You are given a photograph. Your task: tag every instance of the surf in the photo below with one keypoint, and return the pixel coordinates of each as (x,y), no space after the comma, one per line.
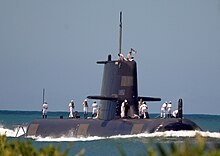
(165,134)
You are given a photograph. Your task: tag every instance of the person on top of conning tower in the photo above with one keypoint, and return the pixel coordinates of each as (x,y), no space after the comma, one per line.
(121,57)
(44,109)
(129,56)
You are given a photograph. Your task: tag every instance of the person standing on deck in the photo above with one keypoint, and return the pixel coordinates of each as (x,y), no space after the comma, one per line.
(85,108)
(139,105)
(94,109)
(144,111)
(175,114)
(71,108)
(163,110)
(123,105)
(44,109)
(169,109)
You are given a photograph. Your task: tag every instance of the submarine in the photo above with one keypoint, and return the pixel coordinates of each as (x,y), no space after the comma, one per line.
(119,82)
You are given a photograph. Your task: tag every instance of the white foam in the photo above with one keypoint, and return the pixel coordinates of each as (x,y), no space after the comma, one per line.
(12,132)
(175,134)
(68,139)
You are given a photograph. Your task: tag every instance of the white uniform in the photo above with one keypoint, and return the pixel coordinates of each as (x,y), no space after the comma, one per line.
(123,110)
(129,57)
(85,108)
(94,108)
(163,110)
(44,110)
(71,108)
(169,109)
(139,106)
(121,57)
(144,110)
(175,113)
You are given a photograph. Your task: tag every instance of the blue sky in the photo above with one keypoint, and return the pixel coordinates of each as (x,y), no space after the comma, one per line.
(55,44)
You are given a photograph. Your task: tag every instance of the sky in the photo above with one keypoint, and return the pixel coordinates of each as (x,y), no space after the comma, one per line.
(55,44)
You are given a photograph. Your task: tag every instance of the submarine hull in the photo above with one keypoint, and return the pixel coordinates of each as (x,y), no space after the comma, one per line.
(94,127)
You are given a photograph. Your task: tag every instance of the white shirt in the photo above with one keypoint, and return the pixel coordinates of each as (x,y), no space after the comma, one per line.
(144,108)
(175,113)
(45,107)
(163,106)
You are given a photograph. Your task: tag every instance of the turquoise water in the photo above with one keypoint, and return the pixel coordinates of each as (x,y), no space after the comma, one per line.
(131,144)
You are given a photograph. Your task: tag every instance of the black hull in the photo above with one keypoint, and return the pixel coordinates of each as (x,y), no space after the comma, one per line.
(95,127)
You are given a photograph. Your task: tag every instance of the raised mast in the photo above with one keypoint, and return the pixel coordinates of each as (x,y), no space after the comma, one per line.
(120,32)
(43,95)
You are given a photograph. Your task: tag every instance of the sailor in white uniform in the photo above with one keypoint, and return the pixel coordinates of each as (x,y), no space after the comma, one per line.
(94,109)
(163,110)
(123,105)
(169,109)
(175,113)
(144,110)
(85,108)
(121,57)
(44,109)
(71,108)
(139,105)
(129,56)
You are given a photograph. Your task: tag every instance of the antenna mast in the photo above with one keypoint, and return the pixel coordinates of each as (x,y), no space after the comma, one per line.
(120,32)
(43,94)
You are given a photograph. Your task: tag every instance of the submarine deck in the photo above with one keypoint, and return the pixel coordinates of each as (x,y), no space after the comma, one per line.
(96,127)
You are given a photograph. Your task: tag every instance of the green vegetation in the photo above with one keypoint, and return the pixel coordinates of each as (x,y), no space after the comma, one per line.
(200,148)
(26,148)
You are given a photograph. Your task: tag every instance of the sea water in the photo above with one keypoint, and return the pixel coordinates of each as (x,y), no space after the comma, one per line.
(131,144)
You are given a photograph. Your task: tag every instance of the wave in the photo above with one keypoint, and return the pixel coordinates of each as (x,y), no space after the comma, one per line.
(166,134)
(16,132)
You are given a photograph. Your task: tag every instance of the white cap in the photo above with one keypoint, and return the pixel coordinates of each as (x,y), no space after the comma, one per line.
(125,100)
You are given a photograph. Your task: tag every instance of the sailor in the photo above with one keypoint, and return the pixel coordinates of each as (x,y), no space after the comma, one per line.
(144,110)
(98,111)
(121,57)
(44,109)
(163,110)
(169,109)
(130,57)
(71,108)
(94,109)
(85,108)
(139,105)
(123,106)
(175,114)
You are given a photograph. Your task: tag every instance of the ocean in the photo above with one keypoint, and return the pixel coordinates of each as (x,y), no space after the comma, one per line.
(131,144)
